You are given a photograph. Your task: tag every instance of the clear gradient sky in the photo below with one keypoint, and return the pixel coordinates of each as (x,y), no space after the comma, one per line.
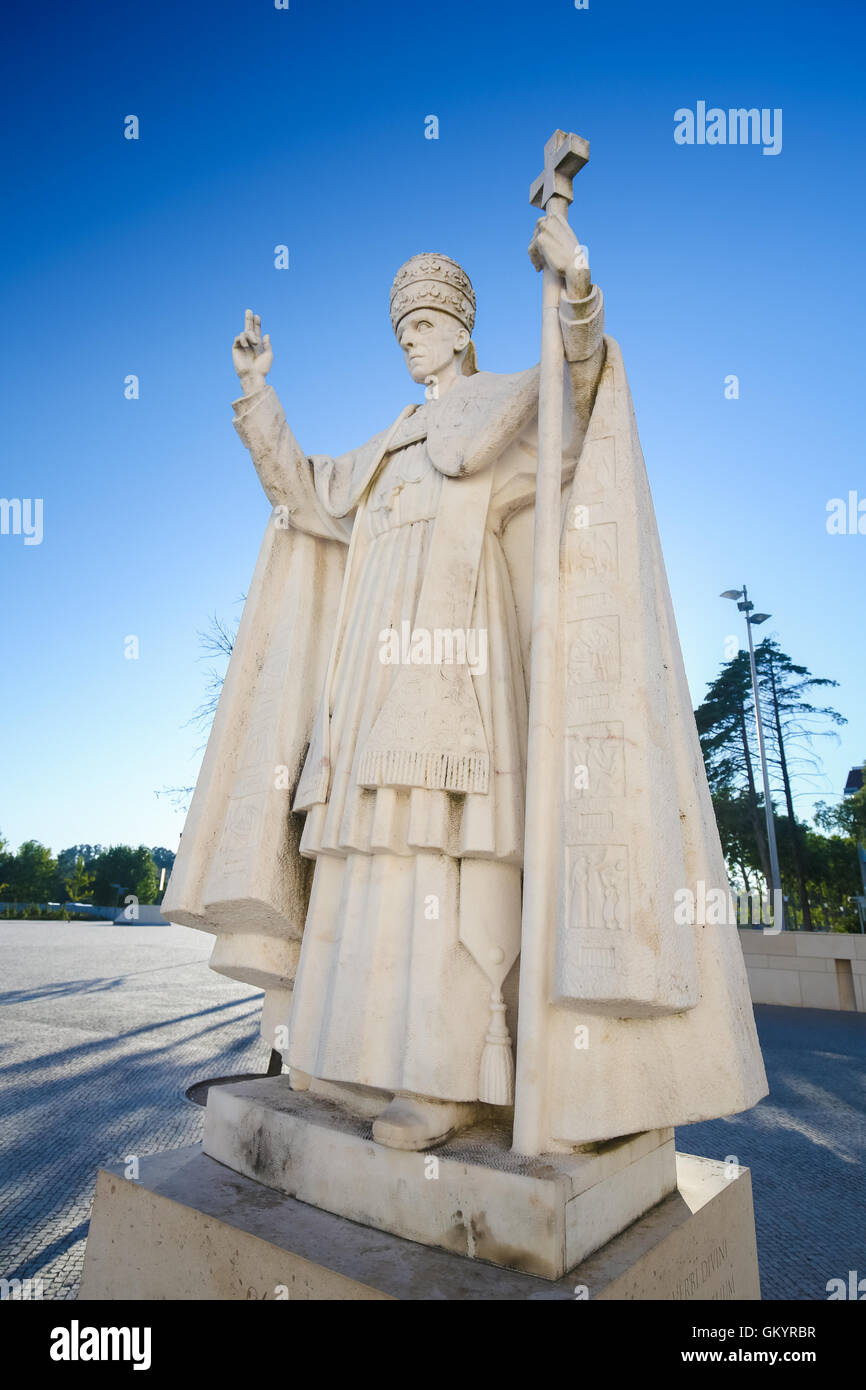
(306,127)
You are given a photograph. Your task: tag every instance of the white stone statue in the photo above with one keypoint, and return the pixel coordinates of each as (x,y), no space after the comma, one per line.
(356,839)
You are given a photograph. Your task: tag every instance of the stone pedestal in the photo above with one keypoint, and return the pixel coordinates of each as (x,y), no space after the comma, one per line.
(191,1228)
(471,1196)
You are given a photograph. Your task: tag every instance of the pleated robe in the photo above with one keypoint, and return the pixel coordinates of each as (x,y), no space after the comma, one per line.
(387,993)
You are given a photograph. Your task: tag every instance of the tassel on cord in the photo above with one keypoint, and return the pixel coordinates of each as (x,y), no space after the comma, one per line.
(496,1080)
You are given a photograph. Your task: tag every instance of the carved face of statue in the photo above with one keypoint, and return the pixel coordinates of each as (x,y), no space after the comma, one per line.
(431,342)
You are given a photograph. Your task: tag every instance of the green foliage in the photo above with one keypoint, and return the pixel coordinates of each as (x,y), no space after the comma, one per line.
(79,882)
(833,879)
(725,723)
(848,818)
(29,875)
(726,728)
(82,873)
(132,870)
(5,859)
(68,858)
(33,913)
(163,858)
(737,834)
(820,873)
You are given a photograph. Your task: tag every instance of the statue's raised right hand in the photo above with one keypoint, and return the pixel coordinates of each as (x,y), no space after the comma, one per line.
(252,354)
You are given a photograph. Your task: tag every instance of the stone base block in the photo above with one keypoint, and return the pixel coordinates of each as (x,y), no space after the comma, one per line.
(472,1196)
(190,1228)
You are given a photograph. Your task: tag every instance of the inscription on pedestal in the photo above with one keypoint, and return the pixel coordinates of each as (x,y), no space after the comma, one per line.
(709,1278)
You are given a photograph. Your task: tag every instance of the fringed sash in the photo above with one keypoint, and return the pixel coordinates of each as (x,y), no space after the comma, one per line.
(428,732)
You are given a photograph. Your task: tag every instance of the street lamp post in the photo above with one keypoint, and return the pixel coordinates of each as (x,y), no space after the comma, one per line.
(755,619)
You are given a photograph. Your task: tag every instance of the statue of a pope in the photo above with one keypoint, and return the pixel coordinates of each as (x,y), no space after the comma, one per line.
(381,682)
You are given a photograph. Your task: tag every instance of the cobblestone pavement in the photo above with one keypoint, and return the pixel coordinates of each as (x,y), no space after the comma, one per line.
(805,1144)
(103,1028)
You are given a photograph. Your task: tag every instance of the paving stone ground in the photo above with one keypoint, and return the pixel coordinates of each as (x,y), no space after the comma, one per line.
(103,1029)
(805,1144)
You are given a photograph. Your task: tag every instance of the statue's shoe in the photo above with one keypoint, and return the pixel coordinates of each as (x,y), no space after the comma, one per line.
(358,1100)
(411,1123)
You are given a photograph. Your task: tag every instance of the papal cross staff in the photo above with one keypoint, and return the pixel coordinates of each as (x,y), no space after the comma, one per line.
(564,156)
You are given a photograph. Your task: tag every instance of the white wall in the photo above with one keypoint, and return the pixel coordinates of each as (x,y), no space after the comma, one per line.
(808,970)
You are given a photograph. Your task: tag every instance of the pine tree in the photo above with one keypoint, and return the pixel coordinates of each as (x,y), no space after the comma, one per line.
(793,724)
(727,731)
(726,723)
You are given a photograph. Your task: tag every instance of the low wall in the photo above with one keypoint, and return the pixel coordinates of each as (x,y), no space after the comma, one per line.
(147,914)
(808,970)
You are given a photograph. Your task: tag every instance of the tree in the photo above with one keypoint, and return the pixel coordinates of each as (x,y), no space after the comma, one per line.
(793,725)
(133,870)
(849,817)
(736,832)
(833,879)
(66,859)
(728,735)
(31,874)
(726,724)
(164,861)
(79,882)
(5,860)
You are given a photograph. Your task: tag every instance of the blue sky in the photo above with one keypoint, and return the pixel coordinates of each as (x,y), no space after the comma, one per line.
(305,127)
